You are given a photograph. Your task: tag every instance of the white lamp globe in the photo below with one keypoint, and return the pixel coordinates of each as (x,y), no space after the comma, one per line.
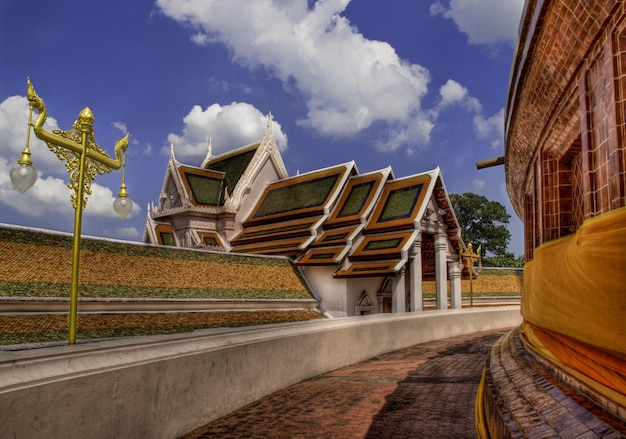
(123,206)
(23,176)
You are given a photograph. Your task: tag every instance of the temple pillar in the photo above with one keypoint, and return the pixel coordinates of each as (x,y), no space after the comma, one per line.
(441,270)
(454,271)
(398,292)
(415,275)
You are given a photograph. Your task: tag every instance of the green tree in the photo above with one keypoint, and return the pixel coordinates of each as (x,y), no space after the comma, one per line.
(507,261)
(483,223)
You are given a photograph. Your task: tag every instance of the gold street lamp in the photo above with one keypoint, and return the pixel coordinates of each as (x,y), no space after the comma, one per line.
(83,160)
(470,257)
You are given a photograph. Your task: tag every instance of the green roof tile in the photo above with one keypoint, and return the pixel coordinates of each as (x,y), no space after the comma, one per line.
(298,196)
(356,199)
(233,166)
(206,190)
(400,203)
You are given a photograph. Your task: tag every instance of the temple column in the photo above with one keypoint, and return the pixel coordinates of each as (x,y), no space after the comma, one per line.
(415,275)
(454,270)
(441,270)
(398,292)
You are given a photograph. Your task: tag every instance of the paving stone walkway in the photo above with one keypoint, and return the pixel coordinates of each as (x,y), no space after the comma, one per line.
(424,391)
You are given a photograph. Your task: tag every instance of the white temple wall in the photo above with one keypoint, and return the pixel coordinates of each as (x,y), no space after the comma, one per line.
(355,288)
(331,291)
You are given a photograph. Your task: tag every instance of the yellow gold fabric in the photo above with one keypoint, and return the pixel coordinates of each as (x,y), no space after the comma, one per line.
(574,303)
(530,335)
(576,285)
(482,428)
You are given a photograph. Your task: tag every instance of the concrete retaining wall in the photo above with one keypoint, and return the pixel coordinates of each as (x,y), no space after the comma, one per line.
(165,386)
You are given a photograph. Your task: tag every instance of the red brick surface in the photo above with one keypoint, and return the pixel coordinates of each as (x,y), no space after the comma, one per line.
(565,122)
(528,397)
(424,391)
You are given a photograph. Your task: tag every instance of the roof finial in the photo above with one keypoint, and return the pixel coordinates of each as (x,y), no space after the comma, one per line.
(269,120)
(209,154)
(172,150)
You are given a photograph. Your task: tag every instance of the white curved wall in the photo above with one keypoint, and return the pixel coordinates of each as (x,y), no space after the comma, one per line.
(166,386)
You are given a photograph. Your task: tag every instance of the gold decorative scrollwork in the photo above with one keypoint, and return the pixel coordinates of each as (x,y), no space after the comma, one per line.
(72,162)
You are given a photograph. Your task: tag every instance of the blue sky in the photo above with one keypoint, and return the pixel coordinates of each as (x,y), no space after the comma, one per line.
(411,84)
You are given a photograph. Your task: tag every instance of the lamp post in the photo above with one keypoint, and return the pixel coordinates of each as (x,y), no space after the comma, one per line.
(470,257)
(83,160)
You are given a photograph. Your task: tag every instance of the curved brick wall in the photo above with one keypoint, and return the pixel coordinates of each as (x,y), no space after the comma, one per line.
(566,99)
(566,177)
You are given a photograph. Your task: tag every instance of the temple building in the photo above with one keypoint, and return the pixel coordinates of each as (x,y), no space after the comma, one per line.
(364,242)
(563,372)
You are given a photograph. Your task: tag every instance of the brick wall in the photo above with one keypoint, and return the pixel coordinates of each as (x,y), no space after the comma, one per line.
(565,124)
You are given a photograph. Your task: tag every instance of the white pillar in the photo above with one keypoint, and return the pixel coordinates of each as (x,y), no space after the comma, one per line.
(455,270)
(441,270)
(398,292)
(415,289)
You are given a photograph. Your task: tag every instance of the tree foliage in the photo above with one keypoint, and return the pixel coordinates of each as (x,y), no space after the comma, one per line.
(483,223)
(506,261)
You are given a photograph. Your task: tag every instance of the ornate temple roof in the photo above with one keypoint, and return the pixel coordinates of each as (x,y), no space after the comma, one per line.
(347,219)
(393,226)
(198,205)
(364,224)
(290,211)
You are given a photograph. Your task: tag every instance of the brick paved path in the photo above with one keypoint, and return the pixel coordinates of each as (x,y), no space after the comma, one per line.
(424,391)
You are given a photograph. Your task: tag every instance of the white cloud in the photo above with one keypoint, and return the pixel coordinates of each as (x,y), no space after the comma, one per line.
(348,81)
(200,39)
(13,128)
(50,194)
(491,127)
(454,93)
(496,144)
(228,127)
(126,233)
(219,83)
(121,126)
(483,21)
(478,184)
